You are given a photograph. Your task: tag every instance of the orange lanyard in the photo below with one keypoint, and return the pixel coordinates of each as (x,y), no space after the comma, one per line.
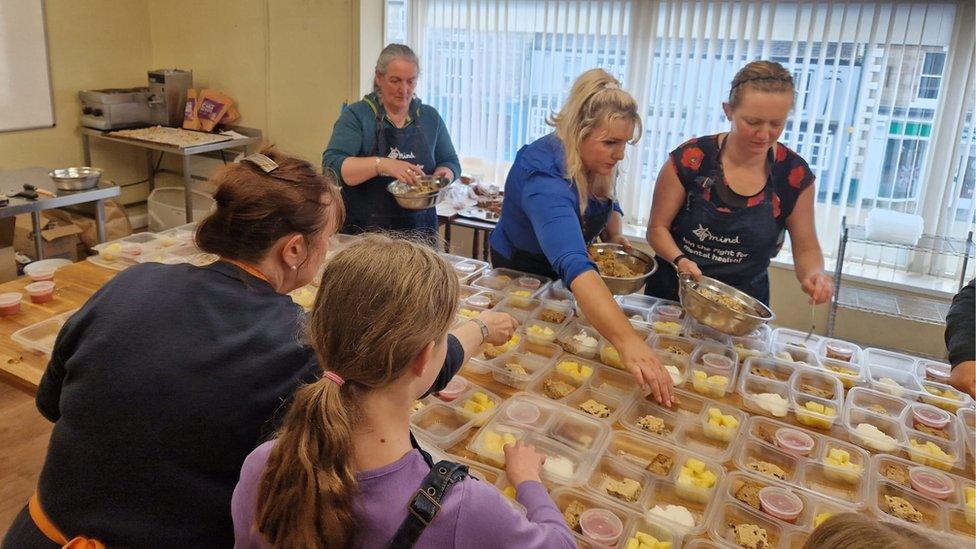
(249,269)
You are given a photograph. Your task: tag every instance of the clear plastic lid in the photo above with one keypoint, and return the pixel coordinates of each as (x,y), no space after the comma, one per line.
(780,503)
(794,441)
(601,526)
(479,301)
(717,361)
(10,298)
(40,288)
(523,412)
(455,388)
(930,483)
(931,416)
(674,312)
(528,283)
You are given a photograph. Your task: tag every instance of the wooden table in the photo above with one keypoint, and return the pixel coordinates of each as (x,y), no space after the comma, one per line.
(75,284)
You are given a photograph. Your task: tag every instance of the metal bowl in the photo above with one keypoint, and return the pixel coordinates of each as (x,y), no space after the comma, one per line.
(718,316)
(636,259)
(407,197)
(75,179)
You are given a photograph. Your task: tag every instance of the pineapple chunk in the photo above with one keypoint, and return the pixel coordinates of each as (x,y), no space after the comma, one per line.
(714,413)
(819,519)
(695,465)
(480,398)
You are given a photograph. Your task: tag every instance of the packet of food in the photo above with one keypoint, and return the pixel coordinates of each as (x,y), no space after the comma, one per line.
(190,119)
(232,115)
(213,106)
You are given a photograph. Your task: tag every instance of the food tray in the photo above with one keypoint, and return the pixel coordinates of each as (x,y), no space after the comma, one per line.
(887,359)
(950,517)
(466,269)
(609,354)
(843,485)
(850,374)
(536,360)
(42,335)
(785,336)
(730,508)
(866,406)
(630,520)
(557,431)
(808,392)
(687,424)
(657,465)
(906,383)
(606,386)
(967,421)
(505,280)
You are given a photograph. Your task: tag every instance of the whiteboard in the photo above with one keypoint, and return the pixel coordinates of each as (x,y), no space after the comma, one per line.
(25,75)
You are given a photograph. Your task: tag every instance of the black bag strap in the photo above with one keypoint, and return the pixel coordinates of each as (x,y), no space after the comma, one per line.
(426,503)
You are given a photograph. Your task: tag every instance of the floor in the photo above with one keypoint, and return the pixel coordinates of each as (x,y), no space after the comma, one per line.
(24,435)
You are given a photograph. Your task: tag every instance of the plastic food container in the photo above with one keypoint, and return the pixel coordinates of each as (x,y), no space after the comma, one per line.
(528,283)
(478,301)
(523,412)
(938,372)
(794,441)
(10,303)
(40,274)
(780,503)
(455,388)
(132,249)
(40,292)
(601,527)
(931,416)
(839,351)
(717,361)
(887,359)
(673,312)
(930,483)
(441,424)
(713,370)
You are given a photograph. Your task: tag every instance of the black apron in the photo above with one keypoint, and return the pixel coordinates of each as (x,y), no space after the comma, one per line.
(369,206)
(734,247)
(590,225)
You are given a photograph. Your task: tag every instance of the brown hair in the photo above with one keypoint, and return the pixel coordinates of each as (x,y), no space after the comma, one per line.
(765,76)
(596,97)
(853,531)
(255,209)
(381,301)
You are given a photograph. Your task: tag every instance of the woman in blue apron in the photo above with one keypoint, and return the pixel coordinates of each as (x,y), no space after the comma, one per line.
(389,135)
(723,203)
(558,199)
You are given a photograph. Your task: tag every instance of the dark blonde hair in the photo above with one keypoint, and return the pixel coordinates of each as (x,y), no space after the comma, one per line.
(595,98)
(380,303)
(853,531)
(255,209)
(765,76)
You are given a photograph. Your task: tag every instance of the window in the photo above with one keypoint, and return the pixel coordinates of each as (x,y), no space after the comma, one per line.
(868,74)
(931,79)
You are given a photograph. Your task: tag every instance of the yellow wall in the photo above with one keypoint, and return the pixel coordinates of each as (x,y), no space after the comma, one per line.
(91,44)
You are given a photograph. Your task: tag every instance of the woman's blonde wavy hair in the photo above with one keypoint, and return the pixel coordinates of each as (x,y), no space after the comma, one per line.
(595,100)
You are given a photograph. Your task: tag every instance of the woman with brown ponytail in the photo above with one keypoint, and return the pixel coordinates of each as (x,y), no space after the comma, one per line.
(344,467)
(164,381)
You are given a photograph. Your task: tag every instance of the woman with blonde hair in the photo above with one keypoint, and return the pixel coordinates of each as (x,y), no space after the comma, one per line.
(559,199)
(723,202)
(345,470)
(854,531)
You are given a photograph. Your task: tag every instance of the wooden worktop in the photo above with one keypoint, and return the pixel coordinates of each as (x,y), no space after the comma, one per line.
(75,283)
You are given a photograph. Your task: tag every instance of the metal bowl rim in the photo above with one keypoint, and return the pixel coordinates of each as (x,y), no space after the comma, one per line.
(713,284)
(619,250)
(83,172)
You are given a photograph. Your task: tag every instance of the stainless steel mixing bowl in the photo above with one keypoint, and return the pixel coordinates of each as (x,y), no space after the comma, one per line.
(635,259)
(717,315)
(75,179)
(407,197)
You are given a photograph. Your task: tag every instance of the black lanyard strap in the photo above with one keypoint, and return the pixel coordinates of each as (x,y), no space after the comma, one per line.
(426,503)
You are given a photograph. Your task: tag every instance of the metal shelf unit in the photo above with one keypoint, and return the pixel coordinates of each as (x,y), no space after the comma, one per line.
(915,308)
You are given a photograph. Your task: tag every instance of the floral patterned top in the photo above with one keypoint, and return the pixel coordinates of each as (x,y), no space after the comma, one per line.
(699,157)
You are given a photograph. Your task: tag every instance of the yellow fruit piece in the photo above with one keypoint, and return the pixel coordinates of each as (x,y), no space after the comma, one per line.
(468,313)
(819,519)
(971,497)
(714,413)
(646,538)
(695,465)
(814,407)
(698,374)
(632,543)
(480,398)
(610,357)
(842,456)
(574,369)
(509,492)
(730,422)
(496,442)
(474,407)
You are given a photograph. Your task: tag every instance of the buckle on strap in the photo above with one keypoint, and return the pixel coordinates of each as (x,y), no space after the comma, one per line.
(425,516)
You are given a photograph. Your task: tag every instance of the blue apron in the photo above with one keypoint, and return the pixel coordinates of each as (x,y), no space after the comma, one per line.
(734,247)
(369,206)
(590,225)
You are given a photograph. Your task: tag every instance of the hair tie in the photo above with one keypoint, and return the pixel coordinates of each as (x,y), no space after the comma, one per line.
(334,378)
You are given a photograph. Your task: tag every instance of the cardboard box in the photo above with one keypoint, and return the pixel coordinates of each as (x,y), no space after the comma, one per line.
(8,265)
(58,239)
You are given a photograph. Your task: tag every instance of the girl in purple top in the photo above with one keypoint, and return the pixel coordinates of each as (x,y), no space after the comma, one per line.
(343,469)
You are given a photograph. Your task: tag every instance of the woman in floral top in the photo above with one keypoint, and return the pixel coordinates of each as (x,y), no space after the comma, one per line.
(723,202)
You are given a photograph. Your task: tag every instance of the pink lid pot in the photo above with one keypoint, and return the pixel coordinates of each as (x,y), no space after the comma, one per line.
(10,303)
(453,390)
(717,361)
(670,311)
(780,503)
(601,526)
(523,412)
(528,283)
(794,441)
(931,416)
(930,483)
(40,292)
